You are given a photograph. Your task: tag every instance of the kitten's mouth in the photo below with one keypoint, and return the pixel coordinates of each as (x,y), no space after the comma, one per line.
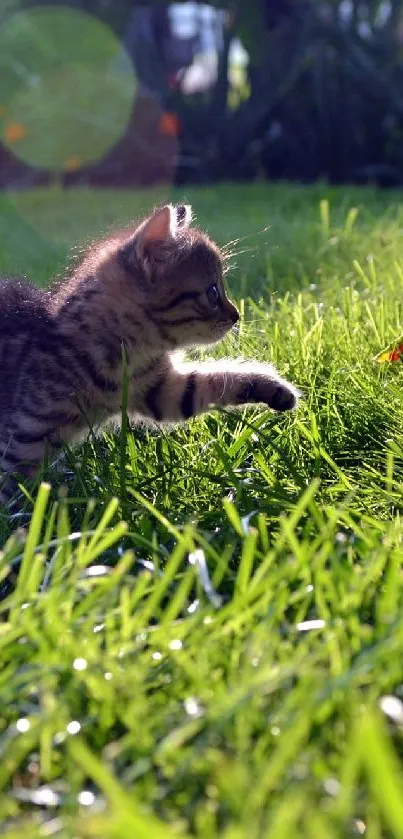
(226,327)
(220,331)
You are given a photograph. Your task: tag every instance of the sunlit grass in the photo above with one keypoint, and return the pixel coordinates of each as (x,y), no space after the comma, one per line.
(201,628)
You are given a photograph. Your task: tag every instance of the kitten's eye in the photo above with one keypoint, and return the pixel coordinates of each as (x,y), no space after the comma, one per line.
(213,296)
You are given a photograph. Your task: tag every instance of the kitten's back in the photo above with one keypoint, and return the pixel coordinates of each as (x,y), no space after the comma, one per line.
(21,303)
(23,314)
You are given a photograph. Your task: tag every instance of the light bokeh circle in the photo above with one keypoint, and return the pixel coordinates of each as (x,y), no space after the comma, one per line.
(67,88)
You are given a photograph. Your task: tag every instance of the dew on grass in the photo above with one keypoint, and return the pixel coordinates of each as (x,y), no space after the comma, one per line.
(80,664)
(146,563)
(176,644)
(156,656)
(108,676)
(86,798)
(331,786)
(193,607)
(74,727)
(192,707)
(393,708)
(42,797)
(306,626)
(23,725)
(98,628)
(45,797)
(359,826)
(275,730)
(97,571)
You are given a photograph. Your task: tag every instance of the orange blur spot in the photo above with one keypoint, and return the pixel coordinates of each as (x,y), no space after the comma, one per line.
(169,124)
(15,131)
(71,164)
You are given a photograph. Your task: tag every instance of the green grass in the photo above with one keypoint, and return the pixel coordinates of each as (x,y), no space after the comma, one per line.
(207,623)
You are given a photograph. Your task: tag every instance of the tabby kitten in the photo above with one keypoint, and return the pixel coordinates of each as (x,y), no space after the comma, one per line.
(138,295)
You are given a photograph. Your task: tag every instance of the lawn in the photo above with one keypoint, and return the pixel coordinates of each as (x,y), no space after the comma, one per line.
(205,637)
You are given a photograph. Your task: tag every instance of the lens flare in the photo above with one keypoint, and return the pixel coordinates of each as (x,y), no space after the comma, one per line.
(67,88)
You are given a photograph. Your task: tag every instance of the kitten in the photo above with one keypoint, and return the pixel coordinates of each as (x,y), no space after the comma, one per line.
(139,294)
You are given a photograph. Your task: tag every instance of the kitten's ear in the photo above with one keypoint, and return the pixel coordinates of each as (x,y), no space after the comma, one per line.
(160,227)
(165,223)
(183,215)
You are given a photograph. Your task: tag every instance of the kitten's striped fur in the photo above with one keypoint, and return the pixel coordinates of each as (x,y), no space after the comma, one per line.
(142,294)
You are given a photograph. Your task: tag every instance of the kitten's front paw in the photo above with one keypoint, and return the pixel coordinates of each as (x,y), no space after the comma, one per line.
(283,398)
(277,394)
(264,384)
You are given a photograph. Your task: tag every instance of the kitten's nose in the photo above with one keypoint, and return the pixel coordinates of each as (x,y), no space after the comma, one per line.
(234,316)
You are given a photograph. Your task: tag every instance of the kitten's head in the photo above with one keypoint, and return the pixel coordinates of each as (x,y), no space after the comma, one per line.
(180,273)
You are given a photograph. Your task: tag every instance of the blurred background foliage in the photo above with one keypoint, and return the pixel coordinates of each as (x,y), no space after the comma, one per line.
(281,89)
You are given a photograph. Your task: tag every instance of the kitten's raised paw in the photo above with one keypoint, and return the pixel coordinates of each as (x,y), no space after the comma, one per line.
(277,394)
(270,389)
(283,398)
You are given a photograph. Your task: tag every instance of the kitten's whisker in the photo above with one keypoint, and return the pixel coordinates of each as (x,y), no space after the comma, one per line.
(246,236)
(253,250)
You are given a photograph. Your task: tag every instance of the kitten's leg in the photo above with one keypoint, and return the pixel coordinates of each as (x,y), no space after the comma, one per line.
(28,439)
(19,460)
(186,390)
